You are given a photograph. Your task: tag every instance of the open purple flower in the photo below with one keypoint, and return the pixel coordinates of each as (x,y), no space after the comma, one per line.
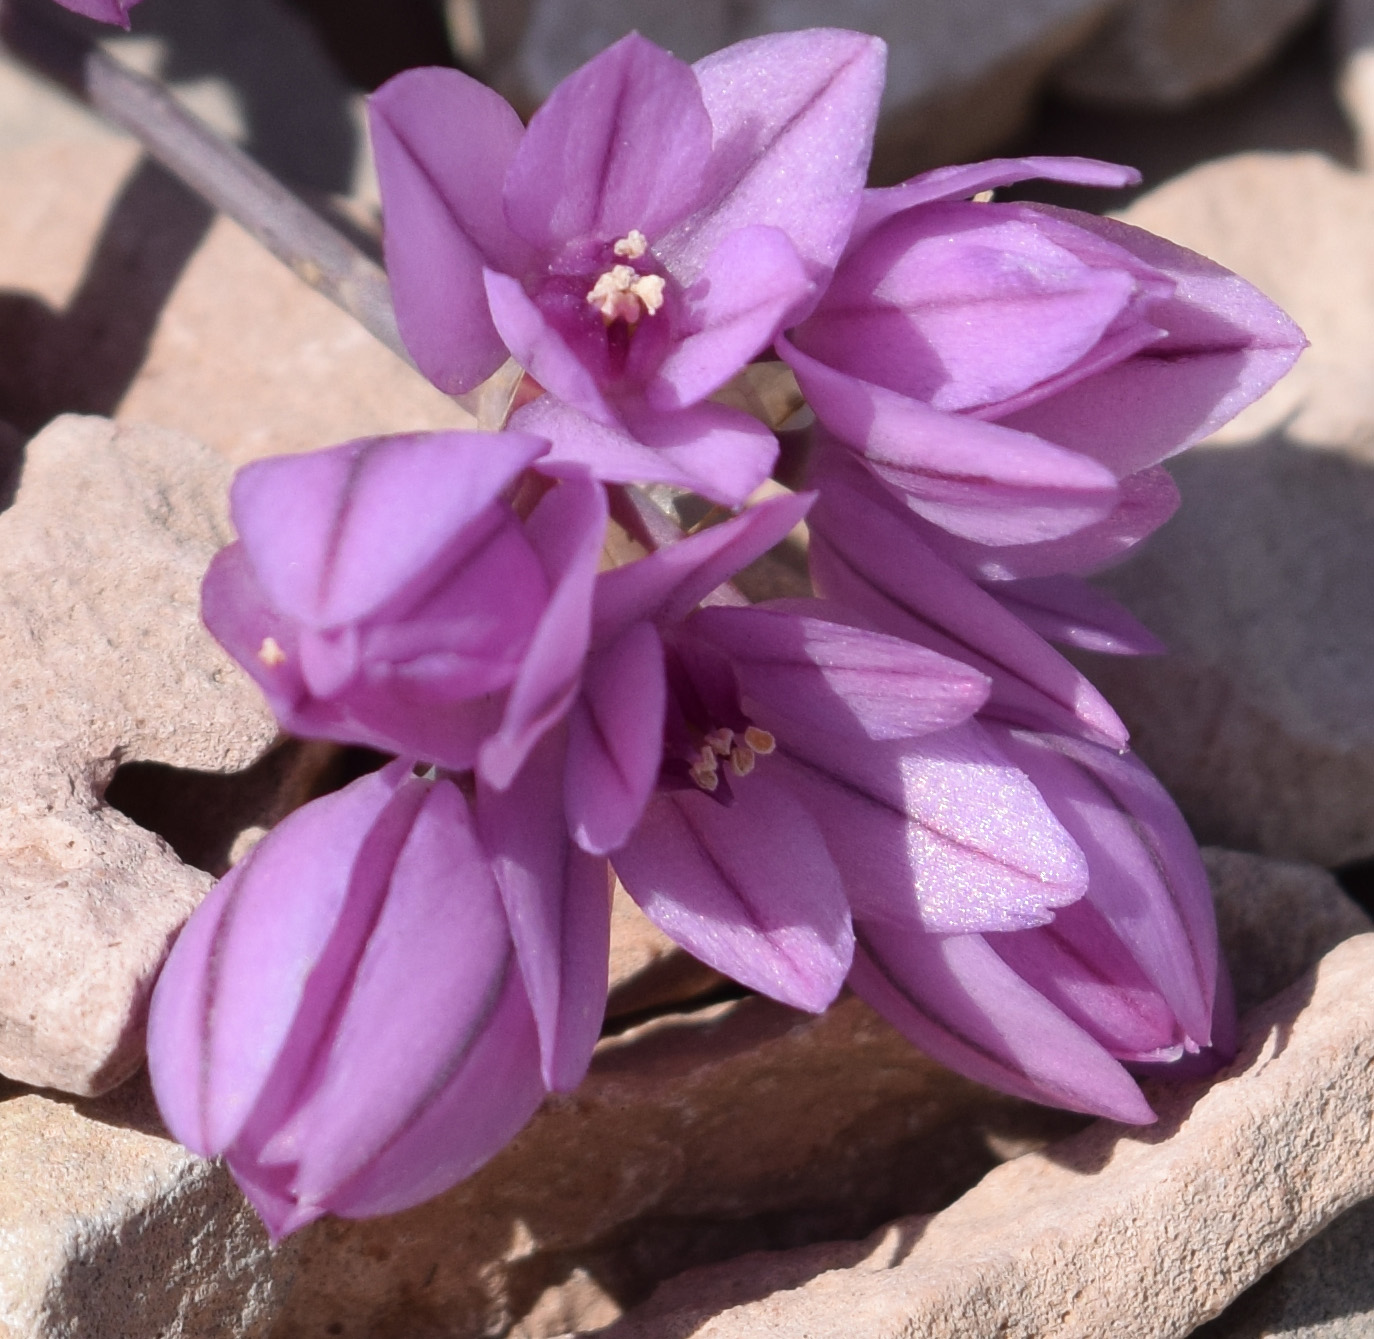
(650,232)
(1003,366)
(1129,975)
(342,1019)
(386,593)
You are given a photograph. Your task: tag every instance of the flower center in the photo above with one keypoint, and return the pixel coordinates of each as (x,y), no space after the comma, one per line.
(622,293)
(741,749)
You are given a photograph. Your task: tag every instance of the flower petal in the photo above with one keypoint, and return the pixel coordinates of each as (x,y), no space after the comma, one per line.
(962,181)
(978,480)
(622,143)
(864,554)
(566,531)
(959,1002)
(559,903)
(1147,499)
(669,583)
(748,285)
(939,834)
(842,679)
(334,534)
(1226,344)
(1067,610)
(615,740)
(442,143)
(716,451)
(1147,878)
(748,888)
(793,116)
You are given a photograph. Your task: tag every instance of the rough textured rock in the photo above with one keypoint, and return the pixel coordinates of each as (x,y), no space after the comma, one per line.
(961,77)
(110,1229)
(1324,1291)
(121,294)
(1163,53)
(1261,720)
(1091,1235)
(102,553)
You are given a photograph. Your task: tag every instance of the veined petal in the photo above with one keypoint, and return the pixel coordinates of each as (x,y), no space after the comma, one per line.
(959,1002)
(793,117)
(334,534)
(558,900)
(442,143)
(962,181)
(716,451)
(1147,499)
(750,282)
(748,888)
(1226,344)
(864,554)
(978,480)
(494,1089)
(537,345)
(1147,877)
(1067,610)
(423,991)
(965,307)
(615,740)
(566,530)
(938,834)
(839,678)
(669,583)
(622,143)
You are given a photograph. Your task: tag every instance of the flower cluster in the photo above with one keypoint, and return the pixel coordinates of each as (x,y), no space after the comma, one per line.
(896,784)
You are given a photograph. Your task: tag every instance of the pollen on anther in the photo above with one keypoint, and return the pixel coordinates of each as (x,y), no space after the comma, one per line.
(721,740)
(742,759)
(633,245)
(760,741)
(270,653)
(705,770)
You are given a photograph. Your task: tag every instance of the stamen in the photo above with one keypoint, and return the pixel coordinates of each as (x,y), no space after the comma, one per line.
(622,293)
(633,245)
(648,288)
(760,740)
(705,770)
(270,653)
(742,759)
(721,740)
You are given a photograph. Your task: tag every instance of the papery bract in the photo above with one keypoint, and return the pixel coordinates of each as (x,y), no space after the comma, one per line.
(384,593)
(645,237)
(1128,975)
(1001,366)
(343,1019)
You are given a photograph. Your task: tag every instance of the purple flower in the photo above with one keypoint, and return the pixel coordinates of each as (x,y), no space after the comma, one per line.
(107,11)
(343,1019)
(386,593)
(1004,366)
(1128,975)
(650,232)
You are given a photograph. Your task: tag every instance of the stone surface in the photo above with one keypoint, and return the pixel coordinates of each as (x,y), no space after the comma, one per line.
(1324,1291)
(961,76)
(121,294)
(109,1229)
(102,553)
(1163,53)
(1097,1232)
(1261,720)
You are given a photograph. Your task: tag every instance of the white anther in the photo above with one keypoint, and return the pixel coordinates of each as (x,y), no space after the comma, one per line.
(633,245)
(623,294)
(760,740)
(742,759)
(721,741)
(270,653)
(705,770)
